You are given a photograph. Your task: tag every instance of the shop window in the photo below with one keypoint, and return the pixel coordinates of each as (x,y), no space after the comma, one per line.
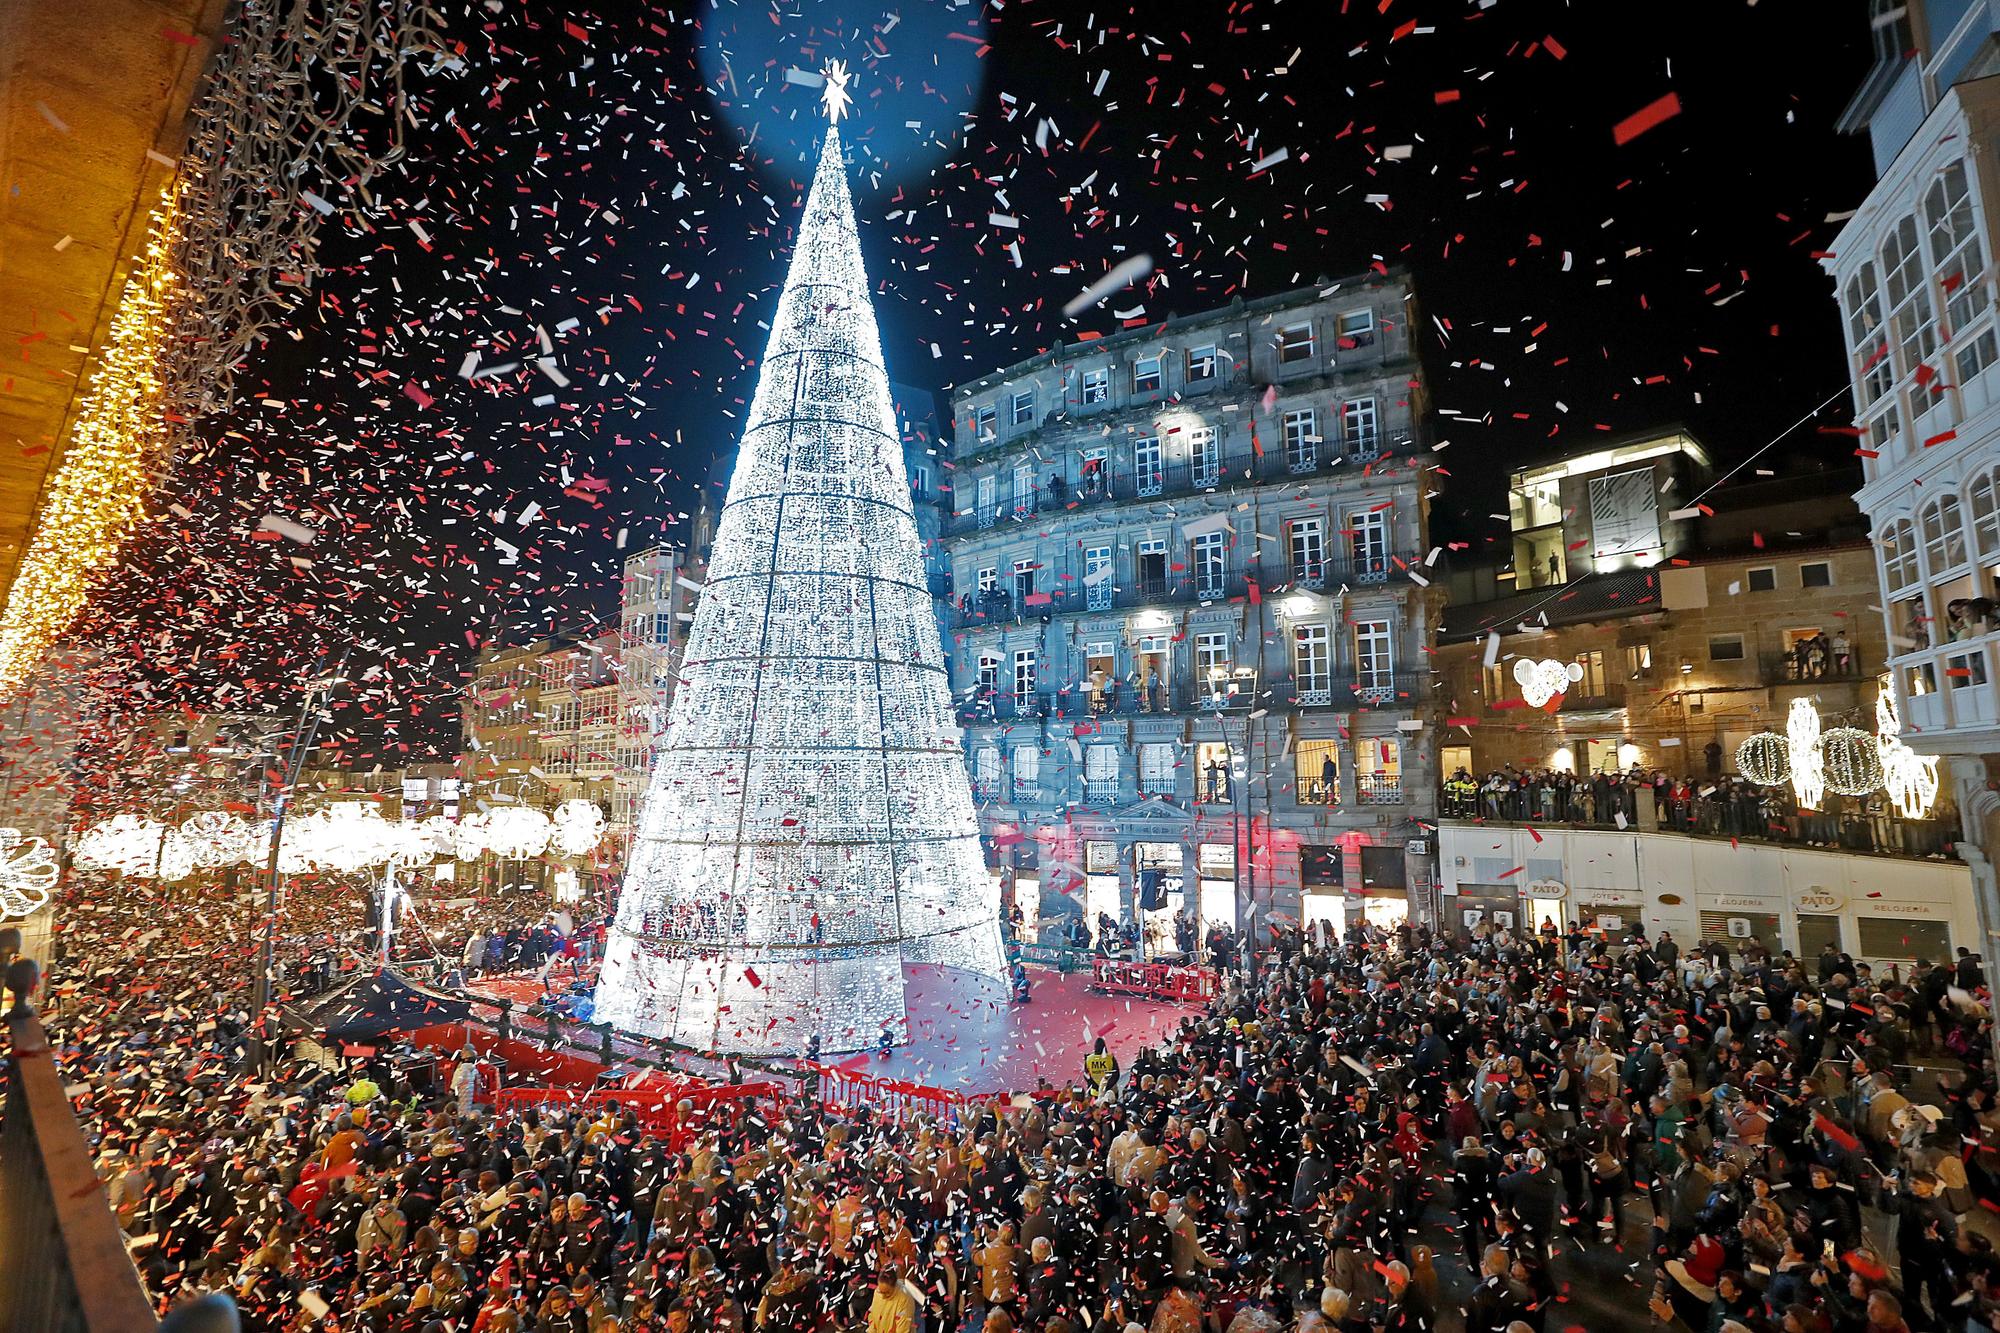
(1900,937)
(1319,867)
(1383,868)
(1759,926)
(1815,933)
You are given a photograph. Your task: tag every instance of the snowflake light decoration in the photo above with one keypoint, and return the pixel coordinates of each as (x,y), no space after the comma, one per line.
(129,844)
(28,871)
(576,827)
(510,832)
(1802,740)
(218,838)
(346,836)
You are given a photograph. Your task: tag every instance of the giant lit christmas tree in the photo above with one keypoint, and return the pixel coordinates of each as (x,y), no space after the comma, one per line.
(809,828)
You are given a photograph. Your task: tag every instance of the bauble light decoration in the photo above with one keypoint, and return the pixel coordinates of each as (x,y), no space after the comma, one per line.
(1544,680)
(28,871)
(576,827)
(1802,743)
(1765,759)
(1851,761)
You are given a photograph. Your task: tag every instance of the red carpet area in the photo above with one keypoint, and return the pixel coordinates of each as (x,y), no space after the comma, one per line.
(967,1038)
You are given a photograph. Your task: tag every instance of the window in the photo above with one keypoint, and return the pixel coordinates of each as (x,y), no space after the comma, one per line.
(1100,774)
(1308,542)
(1883,430)
(1357,428)
(1890,20)
(1211,562)
(1206,457)
(920,480)
(1146,377)
(1312,664)
(1024,488)
(1911,320)
(1027,772)
(1899,556)
(1357,329)
(1872,369)
(989,578)
(1318,772)
(1956,257)
(986,771)
(988,503)
(1156,769)
(1097,588)
(1985,497)
(1493,682)
(1726,648)
(1148,474)
(1152,566)
(1024,580)
(1213,780)
(1378,770)
(1095,483)
(1296,344)
(1590,685)
(1762,580)
(1097,385)
(1201,364)
(1816,574)
(1383,867)
(1301,439)
(1965,671)
(1211,662)
(1920,680)
(1024,673)
(1975,352)
(989,422)
(1022,408)
(1639,661)
(1368,545)
(1944,535)
(1374,663)
(1884,937)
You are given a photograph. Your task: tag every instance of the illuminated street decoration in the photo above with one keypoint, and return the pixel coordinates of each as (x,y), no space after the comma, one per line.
(1802,737)
(577,826)
(568,890)
(1543,681)
(1765,759)
(510,832)
(28,871)
(1910,779)
(1851,760)
(217,838)
(136,845)
(809,827)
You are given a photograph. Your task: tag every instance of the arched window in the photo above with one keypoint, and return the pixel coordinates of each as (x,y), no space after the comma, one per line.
(1944,535)
(1956,255)
(1899,556)
(1985,497)
(1912,322)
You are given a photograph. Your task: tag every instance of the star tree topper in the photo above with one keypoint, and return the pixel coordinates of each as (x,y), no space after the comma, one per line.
(834,97)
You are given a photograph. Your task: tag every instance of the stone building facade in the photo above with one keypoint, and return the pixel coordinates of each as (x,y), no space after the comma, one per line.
(1192,604)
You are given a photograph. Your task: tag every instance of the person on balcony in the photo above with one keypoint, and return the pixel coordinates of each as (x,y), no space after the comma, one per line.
(1329,779)
(1843,652)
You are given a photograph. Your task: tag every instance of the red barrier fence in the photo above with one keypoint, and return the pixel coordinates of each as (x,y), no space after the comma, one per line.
(893,1098)
(678,1113)
(1157,981)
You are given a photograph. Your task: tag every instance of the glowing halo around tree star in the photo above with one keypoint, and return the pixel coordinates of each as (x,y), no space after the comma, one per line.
(28,871)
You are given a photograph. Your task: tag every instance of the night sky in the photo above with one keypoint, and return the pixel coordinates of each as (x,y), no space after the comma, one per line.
(637,170)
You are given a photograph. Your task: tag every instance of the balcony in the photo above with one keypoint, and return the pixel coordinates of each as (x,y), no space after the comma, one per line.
(1000,606)
(1378,789)
(1789,669)
(1394,689)
(1121,481)
(1315,791)
(1361,572)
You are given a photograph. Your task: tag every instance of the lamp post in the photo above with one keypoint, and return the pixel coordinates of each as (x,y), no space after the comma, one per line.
(304,737)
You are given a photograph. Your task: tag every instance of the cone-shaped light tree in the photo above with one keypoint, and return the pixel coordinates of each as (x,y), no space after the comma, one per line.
(809,828)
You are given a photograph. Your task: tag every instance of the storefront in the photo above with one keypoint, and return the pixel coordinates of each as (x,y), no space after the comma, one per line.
(1158,894)
(1100,884)
(1477,905)
(1215,874)
(1612,913)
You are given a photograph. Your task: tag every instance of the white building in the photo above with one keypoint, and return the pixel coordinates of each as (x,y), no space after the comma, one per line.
(1913,273)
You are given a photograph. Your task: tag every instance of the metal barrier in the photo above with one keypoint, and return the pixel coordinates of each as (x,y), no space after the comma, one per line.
(63,1265)
(1158,981)
(893,1098)
(677,1113)
(1060,957)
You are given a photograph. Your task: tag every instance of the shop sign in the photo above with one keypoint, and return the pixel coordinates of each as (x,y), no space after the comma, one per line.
(1880,908)
(1548,888)
(1612,897)
(1723,902)
(1819,900)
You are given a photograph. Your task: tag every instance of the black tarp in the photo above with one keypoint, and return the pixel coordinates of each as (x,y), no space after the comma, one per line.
(382,1001)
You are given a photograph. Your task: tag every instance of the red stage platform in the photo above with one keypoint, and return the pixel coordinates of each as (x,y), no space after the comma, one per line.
(966,1037)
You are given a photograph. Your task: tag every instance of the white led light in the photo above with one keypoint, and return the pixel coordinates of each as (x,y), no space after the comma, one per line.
(28,870)
(1543,681)
(809,827)
(1802,742)
(1910,779)
(577,826)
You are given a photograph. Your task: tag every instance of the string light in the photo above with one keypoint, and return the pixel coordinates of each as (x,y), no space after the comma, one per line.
(1765,759)
(1543,681)
(510,832)
(1851,760)
(576,827)
(1909,778)
(105,479)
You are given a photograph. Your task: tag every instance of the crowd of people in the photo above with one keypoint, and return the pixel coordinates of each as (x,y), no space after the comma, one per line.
(1720,804)
(1376,1132)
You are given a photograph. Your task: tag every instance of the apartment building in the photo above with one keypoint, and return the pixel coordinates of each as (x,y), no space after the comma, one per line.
(1687,625)
(1912,271)
(1192,599)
